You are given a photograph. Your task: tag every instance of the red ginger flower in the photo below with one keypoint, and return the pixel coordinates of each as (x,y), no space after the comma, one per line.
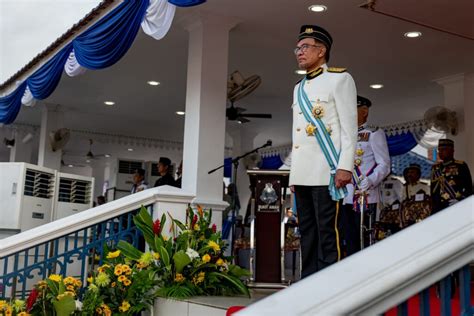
(214,228)
(31,299)
(195,219)
(157,227)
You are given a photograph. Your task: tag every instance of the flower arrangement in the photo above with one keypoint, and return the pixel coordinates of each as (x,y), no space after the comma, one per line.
(55,296)
(13,308)
(192,262)
(120,286)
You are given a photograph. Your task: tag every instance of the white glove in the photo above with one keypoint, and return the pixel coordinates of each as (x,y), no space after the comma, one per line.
(365,184)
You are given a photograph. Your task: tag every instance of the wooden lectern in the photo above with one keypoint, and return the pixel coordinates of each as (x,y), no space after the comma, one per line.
(266,234)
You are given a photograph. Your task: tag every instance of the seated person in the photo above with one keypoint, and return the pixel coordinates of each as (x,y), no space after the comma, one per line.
(413,186)
(164,170)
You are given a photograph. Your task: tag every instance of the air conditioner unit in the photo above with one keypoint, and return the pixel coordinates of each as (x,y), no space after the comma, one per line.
(73,194)
(121,181)
(27,194)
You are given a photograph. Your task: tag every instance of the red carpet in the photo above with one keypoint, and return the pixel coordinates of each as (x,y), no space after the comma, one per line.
(435,304)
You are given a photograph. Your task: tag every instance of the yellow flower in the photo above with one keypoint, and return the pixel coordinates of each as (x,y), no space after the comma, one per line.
(103,267)
(199,278)
(220,262)
(214,245)
(98,310)
(55,277)
(127,282)
(90,280)
(156,256)
(102,279)
(70,288)
(118,270)
(124,307)
(206,258)
(179,278)
(122,278)
(3,304)
(8,311)
(112,255)
(23,314)
(125,268)
(196,227)
(113,284)
(146,259)
(165,238)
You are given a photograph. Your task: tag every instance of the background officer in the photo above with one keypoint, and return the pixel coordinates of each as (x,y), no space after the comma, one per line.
(450,179)
(329,101)
(139,183)
(371,166)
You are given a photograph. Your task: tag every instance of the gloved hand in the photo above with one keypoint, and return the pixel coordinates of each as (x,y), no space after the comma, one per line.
(365,184)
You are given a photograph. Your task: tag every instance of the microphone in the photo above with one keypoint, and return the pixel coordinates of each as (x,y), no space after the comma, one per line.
(269,143)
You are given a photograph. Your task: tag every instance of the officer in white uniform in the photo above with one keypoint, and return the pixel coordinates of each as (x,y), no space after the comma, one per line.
(332,94)
(139,183)
(371,165)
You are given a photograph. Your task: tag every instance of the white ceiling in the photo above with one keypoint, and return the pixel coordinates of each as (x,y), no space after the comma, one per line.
(370,45)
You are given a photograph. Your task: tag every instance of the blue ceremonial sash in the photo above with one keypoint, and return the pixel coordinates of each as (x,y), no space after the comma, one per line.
(324,140)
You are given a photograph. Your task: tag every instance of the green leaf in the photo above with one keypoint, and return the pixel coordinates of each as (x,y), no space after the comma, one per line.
(181,259)
(239,286)
(179,224)
(164,255)
(163,220)
(145,217)
(129,250)
(146,230)
(158,243)
(65,306)
(238,272)
(53,286)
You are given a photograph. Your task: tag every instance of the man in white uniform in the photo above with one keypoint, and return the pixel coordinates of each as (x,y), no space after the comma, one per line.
(371,166)
(324,139)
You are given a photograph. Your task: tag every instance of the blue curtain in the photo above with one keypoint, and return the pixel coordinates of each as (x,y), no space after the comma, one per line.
(186,3)
(271,162)
(43,82)
(228,167)
(11,104)
(109,39)
(401,144)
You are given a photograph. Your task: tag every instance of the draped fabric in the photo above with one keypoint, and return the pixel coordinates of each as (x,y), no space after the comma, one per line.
(158,18)
(401,143)
(10,104)
(429,138)
(43,82)
(271,162)
(103,44)
(186,3)
(228,167)
(72,67)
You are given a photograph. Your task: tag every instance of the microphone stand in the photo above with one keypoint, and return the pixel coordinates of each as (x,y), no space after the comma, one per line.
(235,162)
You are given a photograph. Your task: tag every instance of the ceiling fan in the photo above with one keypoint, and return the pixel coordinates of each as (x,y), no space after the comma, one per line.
(237,88)
(90,156)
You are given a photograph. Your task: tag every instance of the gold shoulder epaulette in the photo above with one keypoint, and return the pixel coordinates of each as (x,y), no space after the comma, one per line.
(461,162)
(336,69)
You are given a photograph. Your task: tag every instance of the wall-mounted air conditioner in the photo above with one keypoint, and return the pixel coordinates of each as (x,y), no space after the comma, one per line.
(27,194)
(73,194)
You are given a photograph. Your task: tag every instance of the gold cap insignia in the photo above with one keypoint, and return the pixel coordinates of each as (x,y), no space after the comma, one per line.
(309,30)
(310,129)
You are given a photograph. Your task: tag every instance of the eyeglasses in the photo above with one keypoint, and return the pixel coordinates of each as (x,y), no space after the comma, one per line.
(303,48)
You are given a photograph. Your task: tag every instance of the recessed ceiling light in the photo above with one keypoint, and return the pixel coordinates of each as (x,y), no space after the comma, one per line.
(240,122)
(130,149)
(88,160)
(180,112)
(153,83)
(376,86)
(107,156)
(317,8)
(300,72)
(70,166)
(413,34)
(109,102)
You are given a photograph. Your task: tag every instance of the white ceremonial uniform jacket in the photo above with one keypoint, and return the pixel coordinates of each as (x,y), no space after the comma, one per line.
(371,150)
(336,93)
(390,192)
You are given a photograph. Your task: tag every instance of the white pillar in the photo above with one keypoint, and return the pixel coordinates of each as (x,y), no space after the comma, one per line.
(51,121)
(204,130)
(22,151)
(459,96)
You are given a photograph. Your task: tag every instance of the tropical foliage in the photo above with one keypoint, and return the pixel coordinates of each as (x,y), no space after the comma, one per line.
(192,261)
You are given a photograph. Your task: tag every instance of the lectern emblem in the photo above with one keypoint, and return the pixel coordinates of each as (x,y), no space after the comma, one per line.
(268,195)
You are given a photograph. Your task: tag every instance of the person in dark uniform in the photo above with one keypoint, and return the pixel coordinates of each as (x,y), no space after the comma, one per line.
(179,173)
(163,169)
(450,179)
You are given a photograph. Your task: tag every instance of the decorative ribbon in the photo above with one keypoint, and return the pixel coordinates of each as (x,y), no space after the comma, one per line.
(324,140)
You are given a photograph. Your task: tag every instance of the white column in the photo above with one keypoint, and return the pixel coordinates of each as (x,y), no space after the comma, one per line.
(459,96)
(51,121)
(22,151)
(204,131)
